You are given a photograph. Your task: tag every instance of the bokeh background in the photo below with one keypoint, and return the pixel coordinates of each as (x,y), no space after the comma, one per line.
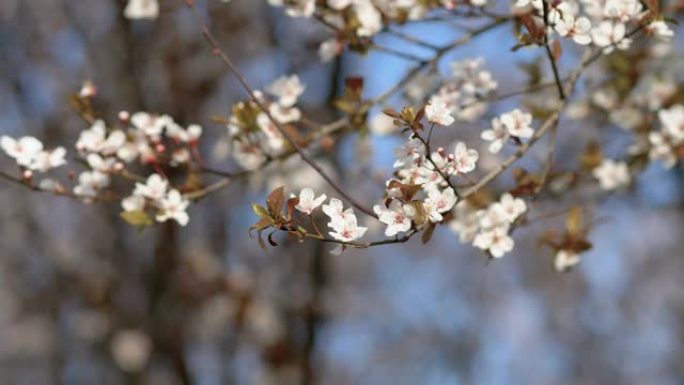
(86,299)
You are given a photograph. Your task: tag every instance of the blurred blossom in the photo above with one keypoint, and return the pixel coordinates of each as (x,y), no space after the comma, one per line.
(131,350)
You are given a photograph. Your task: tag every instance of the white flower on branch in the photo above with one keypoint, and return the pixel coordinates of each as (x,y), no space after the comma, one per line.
(395,217)
(343,222)
(183,135)
(661,149)
(672,120)
(96,139)
(509,208)
(154,188)
(438,203)
(612,175)
(370,19)
(622,10)
(288,89)
(151,125)
(438,112)
(23,151)
(497,135)
(134,202)
(90,183)
(308,202)
(173,206)
(97,162)
(496,241)
(28,152)
(578,29)
(347,230)
(465,159)
(610,34)
(410,154)
(660,29)
(273,139)
(517,123)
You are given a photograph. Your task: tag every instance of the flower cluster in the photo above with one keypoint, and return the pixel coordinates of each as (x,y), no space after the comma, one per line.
(356,21)
(252,132)
(30,155)
(343,222)
(156,194)
(151,139)
(489,228)
(668,142)
(603,23)
(515,124)
(421,192)
(463,92)
(612,175)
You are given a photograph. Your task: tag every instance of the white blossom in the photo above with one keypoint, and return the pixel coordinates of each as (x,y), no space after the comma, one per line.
(612,175)
(497,135)
(369,17)
(173,206)
(343,222)
(151,125)
(517,123)
(496,241)
(142,9)
(672,120)
(610,34)
(308,202)
(133,202)
(394,216)
(24,151)
(329,49)
(578,29)
(154,188)
(661,149)
(438,203)
(438,112)
(131,350)
(90,182)
(288,89)
(564,260)
(660,29)
(96,139)
(465,159)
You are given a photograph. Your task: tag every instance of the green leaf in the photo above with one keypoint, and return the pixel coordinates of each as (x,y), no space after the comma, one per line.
(137,218)
(261,211)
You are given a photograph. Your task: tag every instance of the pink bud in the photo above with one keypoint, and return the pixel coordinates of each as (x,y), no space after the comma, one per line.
(124,116)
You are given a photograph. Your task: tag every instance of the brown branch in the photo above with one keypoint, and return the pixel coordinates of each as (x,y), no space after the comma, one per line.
(209,37)
(438,56)
(59,193)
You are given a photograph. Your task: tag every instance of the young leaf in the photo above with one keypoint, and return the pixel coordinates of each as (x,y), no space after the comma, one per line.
(261,212)
(137,218)
(275,201)
(428,232)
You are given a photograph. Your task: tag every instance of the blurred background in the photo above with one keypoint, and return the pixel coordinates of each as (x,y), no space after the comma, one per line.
(86,299)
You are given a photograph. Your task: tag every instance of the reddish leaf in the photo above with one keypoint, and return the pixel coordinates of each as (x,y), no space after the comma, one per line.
(274,202)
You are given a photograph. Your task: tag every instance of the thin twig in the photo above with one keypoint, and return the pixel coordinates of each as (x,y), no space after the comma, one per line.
(209,37)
